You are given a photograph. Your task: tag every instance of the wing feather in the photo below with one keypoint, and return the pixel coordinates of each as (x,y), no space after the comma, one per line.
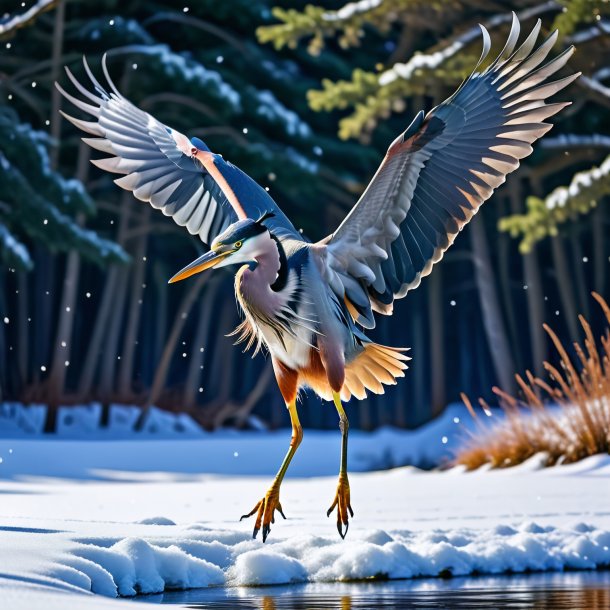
(158,166)
(437,174)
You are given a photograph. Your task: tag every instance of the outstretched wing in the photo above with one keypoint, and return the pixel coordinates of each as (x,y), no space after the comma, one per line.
(204,194)
(436,175)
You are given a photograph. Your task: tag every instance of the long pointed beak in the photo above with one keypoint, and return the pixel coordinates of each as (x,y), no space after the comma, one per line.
(206,261)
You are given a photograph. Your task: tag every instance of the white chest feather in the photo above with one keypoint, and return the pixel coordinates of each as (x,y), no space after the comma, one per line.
(284,323)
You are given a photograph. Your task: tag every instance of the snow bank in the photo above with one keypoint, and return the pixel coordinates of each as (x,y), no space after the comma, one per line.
(185,558)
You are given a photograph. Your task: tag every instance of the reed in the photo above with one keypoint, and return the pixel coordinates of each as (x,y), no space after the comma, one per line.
(565,417)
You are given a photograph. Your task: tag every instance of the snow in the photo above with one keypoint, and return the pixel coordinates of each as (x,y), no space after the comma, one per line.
(165,438)
(352,9)
(275,112)
(177,66)
(580,183)
(119,517)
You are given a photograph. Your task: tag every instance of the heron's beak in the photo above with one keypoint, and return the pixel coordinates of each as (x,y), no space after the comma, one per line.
(206,261)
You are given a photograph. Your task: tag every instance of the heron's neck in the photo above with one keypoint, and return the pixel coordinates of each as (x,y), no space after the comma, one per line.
(269,271)
(268,260)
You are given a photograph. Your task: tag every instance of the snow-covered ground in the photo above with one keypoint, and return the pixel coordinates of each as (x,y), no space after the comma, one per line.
(119,517)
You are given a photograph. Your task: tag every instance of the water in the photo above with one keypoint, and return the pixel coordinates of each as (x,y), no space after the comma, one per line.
(557,591)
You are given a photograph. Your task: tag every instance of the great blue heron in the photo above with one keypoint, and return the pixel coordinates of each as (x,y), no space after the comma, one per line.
(307,302)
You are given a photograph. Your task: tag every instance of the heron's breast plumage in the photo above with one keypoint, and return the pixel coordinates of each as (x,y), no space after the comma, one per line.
(283,320)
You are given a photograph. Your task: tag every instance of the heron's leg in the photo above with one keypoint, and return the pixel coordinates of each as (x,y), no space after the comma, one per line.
(265,508)
(342,499)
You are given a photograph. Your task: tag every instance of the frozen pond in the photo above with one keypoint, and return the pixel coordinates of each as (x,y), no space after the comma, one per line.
(550,591)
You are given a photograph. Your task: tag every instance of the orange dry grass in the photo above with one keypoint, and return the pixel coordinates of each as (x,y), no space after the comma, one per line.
(577,428)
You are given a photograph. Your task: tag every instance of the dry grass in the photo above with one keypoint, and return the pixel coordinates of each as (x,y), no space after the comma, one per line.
(577,424)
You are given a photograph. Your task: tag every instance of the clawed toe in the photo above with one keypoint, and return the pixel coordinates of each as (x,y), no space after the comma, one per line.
(342,503)
(265,513)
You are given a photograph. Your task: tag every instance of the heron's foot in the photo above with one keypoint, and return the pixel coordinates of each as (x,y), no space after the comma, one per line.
(265,511)
(342,503)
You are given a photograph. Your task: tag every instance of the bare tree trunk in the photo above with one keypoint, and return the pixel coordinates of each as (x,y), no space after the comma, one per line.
(105,309)
(564,283)
(135,307)
(110,354)
(58,42)
(94,348)
(437,353)
(241,411)
(4,346)
(490,306)
(579,277)
(505,244)
(189,396)
(533,281)
(42,311)
(23,335)
(600,262)
(67,309)
(534,309)
(161,317)
(418,368)
(221,369)
(170,346)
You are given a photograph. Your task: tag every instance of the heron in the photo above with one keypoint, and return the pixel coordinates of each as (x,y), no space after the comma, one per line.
(309,304)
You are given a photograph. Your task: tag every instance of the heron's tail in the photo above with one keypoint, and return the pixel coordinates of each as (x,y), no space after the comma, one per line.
(376,366)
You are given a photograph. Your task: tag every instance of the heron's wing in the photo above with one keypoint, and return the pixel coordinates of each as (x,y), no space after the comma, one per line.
(158,166)
(436,175)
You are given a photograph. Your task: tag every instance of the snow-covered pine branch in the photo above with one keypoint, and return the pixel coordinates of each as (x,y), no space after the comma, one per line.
(19,21)
(543,216)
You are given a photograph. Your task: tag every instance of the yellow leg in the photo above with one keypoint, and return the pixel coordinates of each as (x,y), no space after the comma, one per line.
(342,497)
(265,508)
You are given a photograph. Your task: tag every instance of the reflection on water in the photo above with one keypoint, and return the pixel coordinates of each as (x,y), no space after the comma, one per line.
(557,591)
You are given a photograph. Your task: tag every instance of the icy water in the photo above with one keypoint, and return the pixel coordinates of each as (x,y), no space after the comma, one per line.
(563,591)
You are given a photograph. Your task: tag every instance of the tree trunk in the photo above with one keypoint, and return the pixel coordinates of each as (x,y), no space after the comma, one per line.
(534,309)
(23,335)
(58,41)
(600,262)
(221,370)
(505,245)
(67,309)
(564,283)
(241,411)
(490,306)
(579,282)
(533,281)
(191,385)
(170,346)
(110,353)
(437,353)
(105,309)
(42,310)
(135,307)
(161,314)
(418,366)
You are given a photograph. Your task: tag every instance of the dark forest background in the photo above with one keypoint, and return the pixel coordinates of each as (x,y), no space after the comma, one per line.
(306,101)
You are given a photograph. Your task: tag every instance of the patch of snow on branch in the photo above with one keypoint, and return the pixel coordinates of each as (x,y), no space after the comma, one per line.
(581,181)
(270,108)
(433,60)
(570,140)
(351,9)
(419,62)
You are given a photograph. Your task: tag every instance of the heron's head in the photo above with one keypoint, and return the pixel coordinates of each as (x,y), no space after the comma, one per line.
(239,243)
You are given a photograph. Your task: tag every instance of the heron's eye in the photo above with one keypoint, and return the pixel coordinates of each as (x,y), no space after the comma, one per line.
(237,245)
(193,152)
